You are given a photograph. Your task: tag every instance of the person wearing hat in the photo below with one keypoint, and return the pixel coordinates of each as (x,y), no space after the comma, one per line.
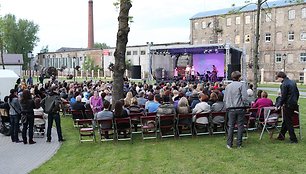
(51,105)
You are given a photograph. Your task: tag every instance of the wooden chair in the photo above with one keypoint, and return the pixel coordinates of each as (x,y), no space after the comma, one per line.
(123,125)
(89,114)
(184,123)
(135,121)
(296,123)
(76,114)
(106,129)
(218,120)
(166,124)
(148,127)
(65,109)
(204,126)
(86,129)
(253,124)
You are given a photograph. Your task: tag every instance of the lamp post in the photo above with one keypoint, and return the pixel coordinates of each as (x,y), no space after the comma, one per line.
(30,56)
(74,69)
(284,61)
(150,77)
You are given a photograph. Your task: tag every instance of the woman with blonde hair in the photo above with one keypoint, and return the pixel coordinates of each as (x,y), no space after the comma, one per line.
(127,99)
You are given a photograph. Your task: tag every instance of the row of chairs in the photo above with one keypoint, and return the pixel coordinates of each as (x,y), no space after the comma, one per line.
(151,127)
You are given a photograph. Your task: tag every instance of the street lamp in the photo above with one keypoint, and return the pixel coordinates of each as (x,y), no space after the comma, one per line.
(284,61)
(74,68)
(150,44)
(30,57)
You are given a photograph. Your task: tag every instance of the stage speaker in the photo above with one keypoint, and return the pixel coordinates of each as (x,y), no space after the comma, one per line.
(136,72)
(231,68)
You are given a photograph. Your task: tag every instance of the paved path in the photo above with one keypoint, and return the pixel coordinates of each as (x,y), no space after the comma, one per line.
(19,158)
(302,94)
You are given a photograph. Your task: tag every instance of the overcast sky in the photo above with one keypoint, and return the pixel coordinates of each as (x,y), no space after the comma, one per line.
(63,23)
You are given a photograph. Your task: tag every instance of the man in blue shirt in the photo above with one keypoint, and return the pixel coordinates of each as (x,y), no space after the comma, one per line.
(152,107)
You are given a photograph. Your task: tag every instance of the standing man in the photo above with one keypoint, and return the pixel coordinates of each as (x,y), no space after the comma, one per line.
(289,102)
(235,97)
(51,105)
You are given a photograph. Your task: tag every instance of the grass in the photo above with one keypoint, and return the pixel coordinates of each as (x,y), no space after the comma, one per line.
(205,154)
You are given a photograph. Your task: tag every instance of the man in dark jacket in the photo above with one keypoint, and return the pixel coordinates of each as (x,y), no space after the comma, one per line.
(289,102)
(51,105)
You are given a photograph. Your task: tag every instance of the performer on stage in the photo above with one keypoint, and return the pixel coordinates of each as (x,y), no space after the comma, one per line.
(175,73)
(214,74)
(187,72)
(192,73)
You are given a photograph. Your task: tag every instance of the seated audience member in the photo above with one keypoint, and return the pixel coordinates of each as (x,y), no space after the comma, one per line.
(105,114)
(194,99)
(95,102)
(153,106)
(183,106)
(38,110)
(262,102)
(166,108)
(202,107)
(141,100)
(258,95)
(78,106)
(134,107)
(150,100)
(251,98)
(218,106)
(278,98)
(120,112)
(213,98)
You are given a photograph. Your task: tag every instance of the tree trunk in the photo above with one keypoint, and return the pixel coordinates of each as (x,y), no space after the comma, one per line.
(259,3)
(1,52)
(122,39)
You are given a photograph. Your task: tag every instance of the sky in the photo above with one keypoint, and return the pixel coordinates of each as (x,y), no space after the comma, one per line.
(63,23)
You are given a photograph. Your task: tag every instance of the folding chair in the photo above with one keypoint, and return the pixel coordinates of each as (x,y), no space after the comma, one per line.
(65,108)
(148,127)
(86,129)
(89,114)
(271,116)
(39,129)
(184,123)
(296,122)
(166,124)
(218,122)
(106,130)
(135,121)
(76,114)
(123,125)
(201,122)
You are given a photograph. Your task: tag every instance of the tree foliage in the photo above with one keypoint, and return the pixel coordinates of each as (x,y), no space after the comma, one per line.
(101,45)
(89,64)
(19,36)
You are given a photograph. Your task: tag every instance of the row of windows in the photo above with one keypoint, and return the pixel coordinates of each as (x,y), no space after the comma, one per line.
(247,20)
(59,62)
(128,53)
(280,58)
(279,36)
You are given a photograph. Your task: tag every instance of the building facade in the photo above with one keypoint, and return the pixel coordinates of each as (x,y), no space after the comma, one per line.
(282,43)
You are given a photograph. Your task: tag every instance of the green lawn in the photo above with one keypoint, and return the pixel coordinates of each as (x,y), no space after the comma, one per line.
(205,154)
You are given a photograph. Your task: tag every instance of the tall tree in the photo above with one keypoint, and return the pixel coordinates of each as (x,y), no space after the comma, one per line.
(101,45)
(122,40)
(19,36)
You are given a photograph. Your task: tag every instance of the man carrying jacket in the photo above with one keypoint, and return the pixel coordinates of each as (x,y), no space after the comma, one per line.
(289,101)
(51,105)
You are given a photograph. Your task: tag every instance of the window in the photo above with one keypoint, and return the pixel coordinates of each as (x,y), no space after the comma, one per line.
(247,38)
(142,52)
(237,20)
(135,52)
(268,37)
(228,21)
(237,39)
(291,14)
(303,57)
(303,12)
(303,36)
(128,53)
(278,58)
(291,36)
(196,26)
(204,25)
(301,76)
(279,38)
(268,17)
(247,19)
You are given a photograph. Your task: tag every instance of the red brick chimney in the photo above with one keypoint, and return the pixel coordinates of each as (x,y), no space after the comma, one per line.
(90,25)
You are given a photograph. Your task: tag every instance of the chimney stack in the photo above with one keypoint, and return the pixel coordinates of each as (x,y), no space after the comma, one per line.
(90,25)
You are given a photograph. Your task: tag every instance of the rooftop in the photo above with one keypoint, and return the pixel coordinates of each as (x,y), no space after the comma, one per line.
(251,7)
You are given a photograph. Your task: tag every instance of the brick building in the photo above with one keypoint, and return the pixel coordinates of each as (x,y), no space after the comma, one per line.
(282,44)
